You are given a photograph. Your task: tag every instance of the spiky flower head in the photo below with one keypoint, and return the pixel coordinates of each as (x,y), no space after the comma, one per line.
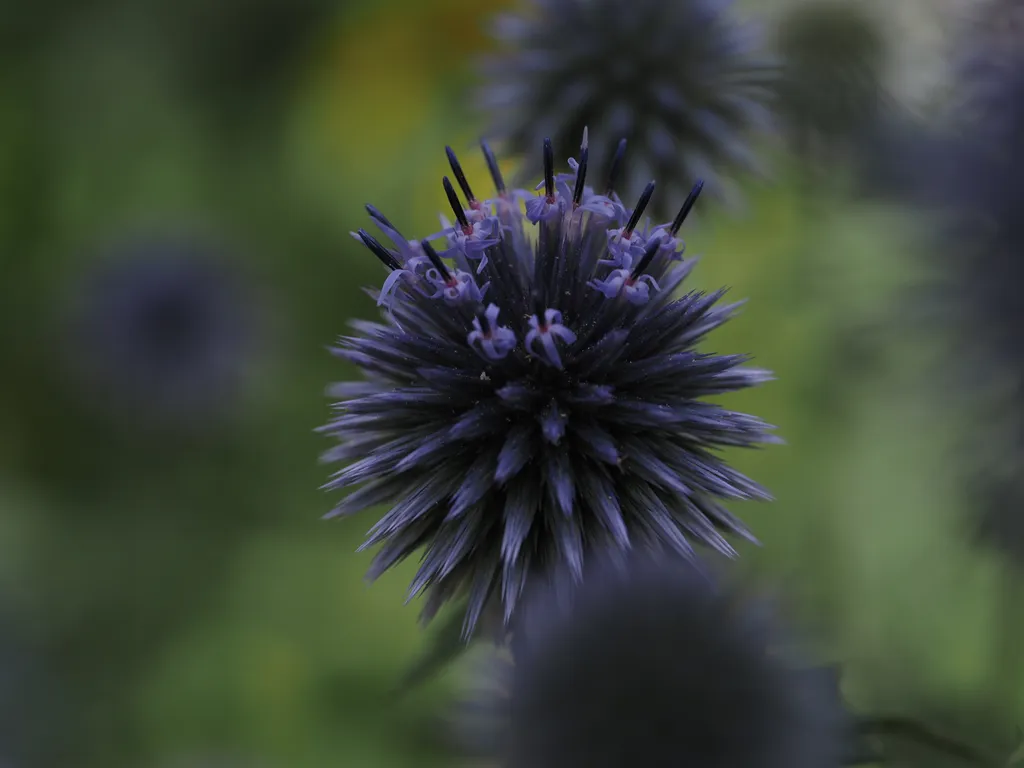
(653,664)
(165,331)
(682,81)
(532,399)
(833,56)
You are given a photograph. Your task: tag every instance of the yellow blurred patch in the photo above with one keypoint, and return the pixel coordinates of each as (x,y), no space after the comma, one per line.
(376,87)
(458,27)
(388,83)
(274,677)
(374,92)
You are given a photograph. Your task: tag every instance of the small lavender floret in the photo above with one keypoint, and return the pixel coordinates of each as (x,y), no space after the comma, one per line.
(541,339)
(621,281)
(538,398)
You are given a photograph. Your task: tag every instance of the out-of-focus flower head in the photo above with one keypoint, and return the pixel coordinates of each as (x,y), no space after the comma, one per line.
(165,332)
(531,399)
(978,200)
(833,56)
(682,81)
(650,663)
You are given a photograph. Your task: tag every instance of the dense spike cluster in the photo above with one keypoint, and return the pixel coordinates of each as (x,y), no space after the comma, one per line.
(653,665)
(833,61)
(532,399)
(682,81)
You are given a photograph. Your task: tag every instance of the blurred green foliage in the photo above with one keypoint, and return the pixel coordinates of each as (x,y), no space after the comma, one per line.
(182,589)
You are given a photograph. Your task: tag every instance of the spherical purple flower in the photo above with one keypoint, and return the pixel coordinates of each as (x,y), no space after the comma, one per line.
(554,410)
(682,81)
(165,331)
(654,665)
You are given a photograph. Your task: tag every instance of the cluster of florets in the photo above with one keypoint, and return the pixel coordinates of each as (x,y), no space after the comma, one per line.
(532,400)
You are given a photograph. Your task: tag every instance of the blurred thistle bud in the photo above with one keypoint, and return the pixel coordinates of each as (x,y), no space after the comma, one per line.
(650,663)
(682,81)
(974,295)
(165,332)
(833,57)
(529,399)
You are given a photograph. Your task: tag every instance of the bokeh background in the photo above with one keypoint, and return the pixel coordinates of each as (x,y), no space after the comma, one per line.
(169,596)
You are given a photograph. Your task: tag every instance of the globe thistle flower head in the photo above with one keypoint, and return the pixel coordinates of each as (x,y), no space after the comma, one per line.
(650,663)
(530,399)
(682,81)
(165,331)
(833,58)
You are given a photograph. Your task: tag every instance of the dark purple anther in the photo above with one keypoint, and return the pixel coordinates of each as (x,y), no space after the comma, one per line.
(685,210)
(649,252)
(378,216)
(428,249)
(379,250)
(538,304)
(492,166)
(581,172)
(460,177)
(456,204)
(641,204)
(549,171)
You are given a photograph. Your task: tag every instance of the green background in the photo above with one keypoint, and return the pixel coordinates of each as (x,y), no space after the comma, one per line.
(181,591)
